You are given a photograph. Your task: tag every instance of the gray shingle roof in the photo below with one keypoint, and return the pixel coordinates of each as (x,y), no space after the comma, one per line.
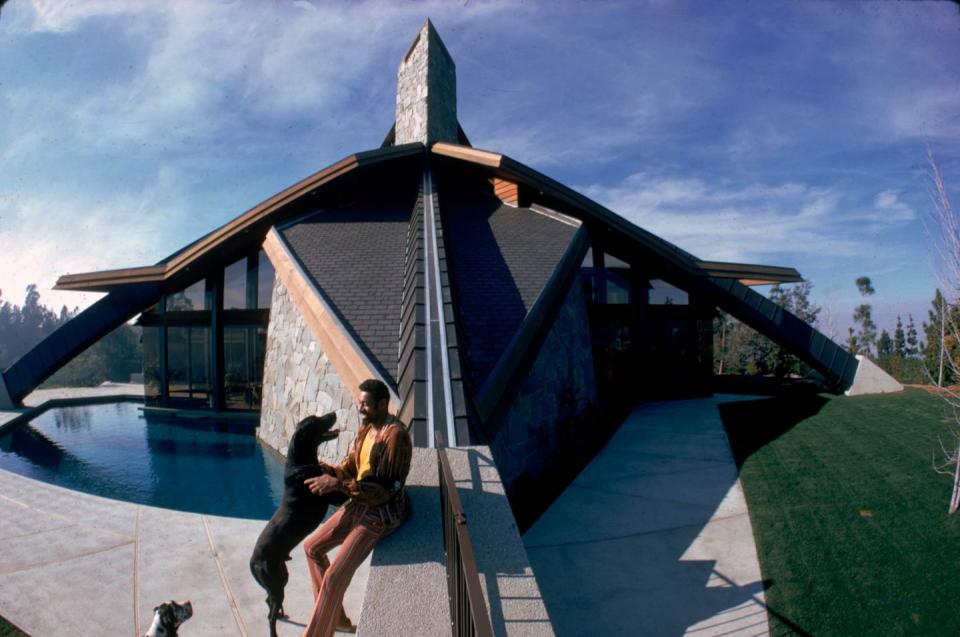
(500,258)
(354,253)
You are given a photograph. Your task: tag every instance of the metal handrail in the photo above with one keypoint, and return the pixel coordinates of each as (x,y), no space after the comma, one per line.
(468,608)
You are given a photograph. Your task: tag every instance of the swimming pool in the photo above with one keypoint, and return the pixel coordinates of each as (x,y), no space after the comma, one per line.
(112,450)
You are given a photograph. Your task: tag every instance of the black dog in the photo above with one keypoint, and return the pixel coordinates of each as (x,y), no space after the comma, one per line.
(300,511)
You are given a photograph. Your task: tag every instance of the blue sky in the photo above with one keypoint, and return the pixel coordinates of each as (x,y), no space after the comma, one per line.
(784,133)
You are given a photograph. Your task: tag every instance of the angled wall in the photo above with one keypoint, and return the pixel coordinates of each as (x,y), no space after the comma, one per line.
(312,364)
(550,416)
(299,380)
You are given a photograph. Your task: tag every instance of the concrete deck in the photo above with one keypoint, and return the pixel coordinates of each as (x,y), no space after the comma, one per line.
(653,537)
(98,566)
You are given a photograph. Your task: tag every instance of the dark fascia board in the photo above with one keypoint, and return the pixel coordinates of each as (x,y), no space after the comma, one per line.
(106,280)
(503,166)
(749,271)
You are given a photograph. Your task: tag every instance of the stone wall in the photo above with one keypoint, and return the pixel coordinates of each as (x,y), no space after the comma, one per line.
(298,380)
(551,414)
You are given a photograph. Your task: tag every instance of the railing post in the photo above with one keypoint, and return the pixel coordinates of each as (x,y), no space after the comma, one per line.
(468,608)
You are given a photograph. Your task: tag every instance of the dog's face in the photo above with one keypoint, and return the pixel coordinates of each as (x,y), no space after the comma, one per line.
(167,617)
(310,433)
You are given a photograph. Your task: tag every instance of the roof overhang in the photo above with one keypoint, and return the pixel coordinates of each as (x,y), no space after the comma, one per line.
(590,211)
(255,221)
(749,273)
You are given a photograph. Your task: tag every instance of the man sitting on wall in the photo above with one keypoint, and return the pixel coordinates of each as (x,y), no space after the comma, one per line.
(372,475)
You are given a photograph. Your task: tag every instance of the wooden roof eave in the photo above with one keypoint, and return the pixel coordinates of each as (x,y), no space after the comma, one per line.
(508,168)
(105,280)
(750,273)
(505,167)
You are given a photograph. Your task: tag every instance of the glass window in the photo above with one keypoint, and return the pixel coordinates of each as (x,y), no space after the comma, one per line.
(265,276)
(618,287)
(235,285)
(150,339)
(190,299)
(188,371)
(243,354)
(199,363)
(662,293)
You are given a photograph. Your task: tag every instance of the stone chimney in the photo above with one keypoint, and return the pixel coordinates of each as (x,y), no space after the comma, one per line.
(426,92)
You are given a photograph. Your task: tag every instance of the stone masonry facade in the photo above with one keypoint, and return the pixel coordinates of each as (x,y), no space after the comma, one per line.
(298,380)
(426,92)
(552,410)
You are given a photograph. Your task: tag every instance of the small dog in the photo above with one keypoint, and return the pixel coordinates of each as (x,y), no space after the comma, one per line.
(300,511)
(167,618)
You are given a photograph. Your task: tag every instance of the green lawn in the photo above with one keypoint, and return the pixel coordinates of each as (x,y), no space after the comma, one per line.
(850,519)
(8,630)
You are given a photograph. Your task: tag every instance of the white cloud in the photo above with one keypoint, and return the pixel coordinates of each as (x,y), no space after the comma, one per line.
(890,210)
(46,235)
(723,221)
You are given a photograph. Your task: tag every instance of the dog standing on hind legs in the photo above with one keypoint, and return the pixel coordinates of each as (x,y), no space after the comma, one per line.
(300,511)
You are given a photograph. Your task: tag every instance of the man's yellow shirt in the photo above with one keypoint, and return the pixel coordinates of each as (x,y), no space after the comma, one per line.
(364,469)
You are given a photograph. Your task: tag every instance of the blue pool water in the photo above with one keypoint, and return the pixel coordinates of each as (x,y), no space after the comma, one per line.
(202,466)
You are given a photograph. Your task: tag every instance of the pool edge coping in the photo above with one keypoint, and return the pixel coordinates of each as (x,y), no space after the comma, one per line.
(25,414)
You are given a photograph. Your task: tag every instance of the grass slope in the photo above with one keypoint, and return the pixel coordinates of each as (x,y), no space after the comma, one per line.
(9,630)
(850,519)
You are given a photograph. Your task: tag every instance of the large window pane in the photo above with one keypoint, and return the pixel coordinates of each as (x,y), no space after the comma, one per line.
(150,341)
(662,293)
(243,353)
(188,376)
(235,286)
(199,363)
(265,274)
(190,299)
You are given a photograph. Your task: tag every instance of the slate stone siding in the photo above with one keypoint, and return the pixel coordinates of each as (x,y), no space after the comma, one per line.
(553,408)
(500,258)
(298,381)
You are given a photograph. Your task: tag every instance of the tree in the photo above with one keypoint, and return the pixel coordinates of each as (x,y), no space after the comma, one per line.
(899,340)
(796,300)
(914,346)
(862,340)
(941,355)
(943,330)
(738,349)
(885,349)
(114,357)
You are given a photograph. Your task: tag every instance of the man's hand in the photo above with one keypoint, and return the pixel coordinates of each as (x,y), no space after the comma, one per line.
(322,484)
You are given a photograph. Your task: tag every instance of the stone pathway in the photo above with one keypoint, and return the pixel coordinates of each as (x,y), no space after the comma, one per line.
(99,566)
(87,565)
(653,537)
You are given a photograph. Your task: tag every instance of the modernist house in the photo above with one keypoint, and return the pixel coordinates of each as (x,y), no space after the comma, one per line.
(500,306)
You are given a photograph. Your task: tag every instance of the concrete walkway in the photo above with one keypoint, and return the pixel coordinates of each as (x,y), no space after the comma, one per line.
(653,537)
(86,565)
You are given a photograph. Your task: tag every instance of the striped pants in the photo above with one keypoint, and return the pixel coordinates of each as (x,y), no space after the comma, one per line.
(330,581)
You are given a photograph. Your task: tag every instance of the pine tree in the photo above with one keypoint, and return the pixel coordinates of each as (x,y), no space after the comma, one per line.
(941,355)
(796,300)
(885,350)
(899,340)
(863,341)
(914,345)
